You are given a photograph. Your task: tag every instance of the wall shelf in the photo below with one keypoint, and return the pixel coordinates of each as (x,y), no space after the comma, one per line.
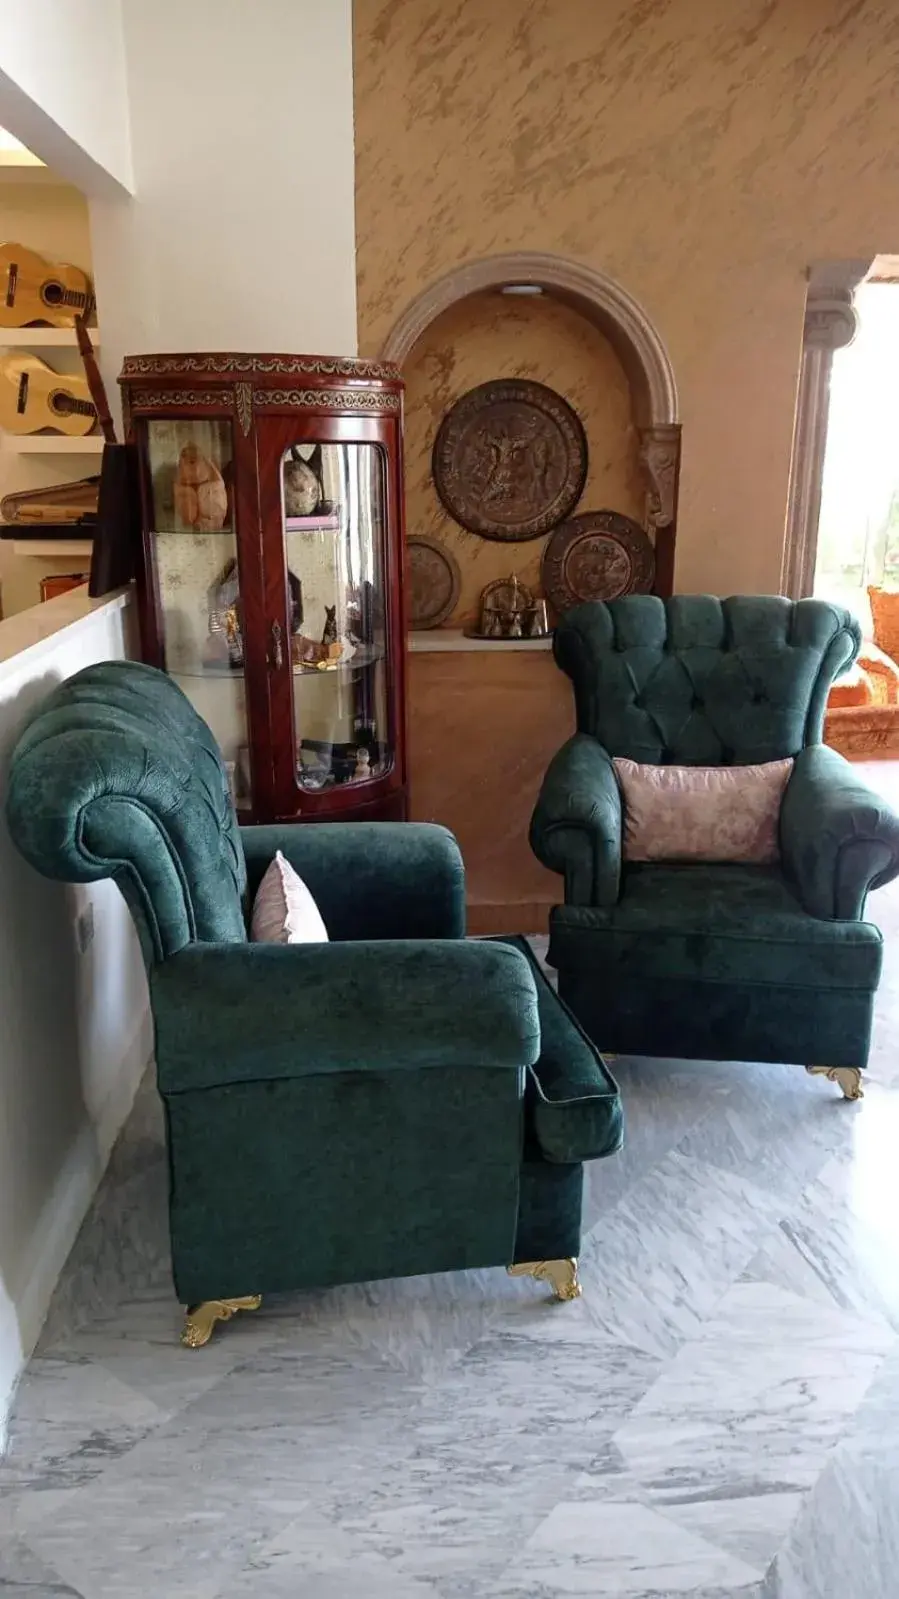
(53,549)
(44,338)
(52,444)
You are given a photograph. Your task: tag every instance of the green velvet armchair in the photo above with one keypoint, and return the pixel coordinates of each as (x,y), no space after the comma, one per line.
(396,1101)
(715,961)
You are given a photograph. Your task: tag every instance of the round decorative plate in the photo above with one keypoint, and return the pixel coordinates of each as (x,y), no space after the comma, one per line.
(434,582)
(510,459)
(598,555)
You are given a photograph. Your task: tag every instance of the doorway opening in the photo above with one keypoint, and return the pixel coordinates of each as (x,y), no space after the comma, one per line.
(858,529)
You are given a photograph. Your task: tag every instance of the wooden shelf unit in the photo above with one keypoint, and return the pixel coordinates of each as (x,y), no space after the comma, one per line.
(52,444)
(44,338)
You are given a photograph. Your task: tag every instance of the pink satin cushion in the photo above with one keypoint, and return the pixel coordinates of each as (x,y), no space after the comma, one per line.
(702,813)
(284,911)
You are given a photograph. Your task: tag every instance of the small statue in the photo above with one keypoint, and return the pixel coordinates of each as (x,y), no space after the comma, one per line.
(201,499)
(224,646)
(329,632)
(295,599)
(362,769)
(302,489)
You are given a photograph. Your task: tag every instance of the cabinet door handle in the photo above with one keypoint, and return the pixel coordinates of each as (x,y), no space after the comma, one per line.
(277,650)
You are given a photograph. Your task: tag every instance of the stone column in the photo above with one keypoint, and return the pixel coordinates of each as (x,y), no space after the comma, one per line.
(830,324)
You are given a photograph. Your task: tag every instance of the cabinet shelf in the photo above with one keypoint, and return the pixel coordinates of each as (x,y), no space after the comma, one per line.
(192,533)
(357,662)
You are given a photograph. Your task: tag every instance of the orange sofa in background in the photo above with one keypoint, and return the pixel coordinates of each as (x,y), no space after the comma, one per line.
(862,720)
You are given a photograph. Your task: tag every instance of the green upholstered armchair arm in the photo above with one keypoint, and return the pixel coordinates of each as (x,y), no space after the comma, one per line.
(229,1014)
(576,825)
(370,879)
(838,838)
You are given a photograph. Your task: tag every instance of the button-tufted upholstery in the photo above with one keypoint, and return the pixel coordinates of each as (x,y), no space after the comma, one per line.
(397,1100)
(728,962)
(698,681)
(118,776)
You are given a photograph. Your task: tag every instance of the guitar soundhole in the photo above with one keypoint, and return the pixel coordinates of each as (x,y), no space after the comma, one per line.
(53,293)
(61,403)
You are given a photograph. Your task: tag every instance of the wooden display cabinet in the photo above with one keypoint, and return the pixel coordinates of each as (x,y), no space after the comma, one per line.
(270,570)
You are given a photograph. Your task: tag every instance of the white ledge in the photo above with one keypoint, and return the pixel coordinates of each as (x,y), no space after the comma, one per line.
(443,640)
(39,626)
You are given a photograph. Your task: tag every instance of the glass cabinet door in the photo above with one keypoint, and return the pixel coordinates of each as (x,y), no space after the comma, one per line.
(333,507)
(194,544)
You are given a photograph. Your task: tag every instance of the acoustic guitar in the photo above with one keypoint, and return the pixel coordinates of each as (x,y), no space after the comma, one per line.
(33,396)
(35,290)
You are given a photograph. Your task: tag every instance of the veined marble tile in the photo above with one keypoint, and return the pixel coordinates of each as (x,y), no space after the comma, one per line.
(490,1451)
(70,1425)
(777,1127)
(611,1547)
(419,1325)
(312,1559)
(24,1576)
(854,1256)
(123,1246)
(846,1541)
(749,1526)
(663,1102)
(670,1248)
(751,1408)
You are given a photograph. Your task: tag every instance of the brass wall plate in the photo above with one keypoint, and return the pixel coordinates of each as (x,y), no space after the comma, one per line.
(510,460)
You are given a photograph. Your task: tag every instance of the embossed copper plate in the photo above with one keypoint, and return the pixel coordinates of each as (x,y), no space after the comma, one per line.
(510,459)
(598,555)
(434,582)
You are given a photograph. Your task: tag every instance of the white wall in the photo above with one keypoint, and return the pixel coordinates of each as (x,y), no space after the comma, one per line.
(62,87)
(76,1033)
(241,234)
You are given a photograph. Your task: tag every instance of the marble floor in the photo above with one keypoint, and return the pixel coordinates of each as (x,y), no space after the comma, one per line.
(718,1416)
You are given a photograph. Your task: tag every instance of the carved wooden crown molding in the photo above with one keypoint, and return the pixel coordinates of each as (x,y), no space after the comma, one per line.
(163,400)
(328,399)
(227,365)
(187,399)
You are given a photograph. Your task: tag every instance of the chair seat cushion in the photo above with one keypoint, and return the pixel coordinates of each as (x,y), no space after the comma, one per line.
(717,924)
(572,1103)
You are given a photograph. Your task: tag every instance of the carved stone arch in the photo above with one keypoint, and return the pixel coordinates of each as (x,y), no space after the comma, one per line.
(630,331)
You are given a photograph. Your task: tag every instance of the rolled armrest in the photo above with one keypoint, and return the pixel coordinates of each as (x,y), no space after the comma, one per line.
(838,838)
(227,1013)
(370,879)
(576,825)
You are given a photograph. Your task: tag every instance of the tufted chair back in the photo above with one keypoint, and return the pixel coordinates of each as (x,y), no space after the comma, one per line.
(116,769)
(697,681)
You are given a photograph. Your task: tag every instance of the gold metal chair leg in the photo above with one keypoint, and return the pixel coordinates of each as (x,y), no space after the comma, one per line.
(201,1319)
(848,1077)
(560,1274)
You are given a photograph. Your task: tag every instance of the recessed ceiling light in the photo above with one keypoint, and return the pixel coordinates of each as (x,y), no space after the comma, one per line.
(521,288)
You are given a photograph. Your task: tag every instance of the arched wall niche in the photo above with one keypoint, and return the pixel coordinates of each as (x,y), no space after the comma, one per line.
(634,337)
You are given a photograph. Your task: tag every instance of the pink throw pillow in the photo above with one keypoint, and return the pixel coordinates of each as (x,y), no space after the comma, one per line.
(702,813)
(284,911)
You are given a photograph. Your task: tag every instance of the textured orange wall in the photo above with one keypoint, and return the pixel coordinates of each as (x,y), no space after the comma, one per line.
(492,336)
(702,153)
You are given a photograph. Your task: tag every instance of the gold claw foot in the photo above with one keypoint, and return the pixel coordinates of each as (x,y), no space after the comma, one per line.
(848,1077)
(560,1274)
(201,1319)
